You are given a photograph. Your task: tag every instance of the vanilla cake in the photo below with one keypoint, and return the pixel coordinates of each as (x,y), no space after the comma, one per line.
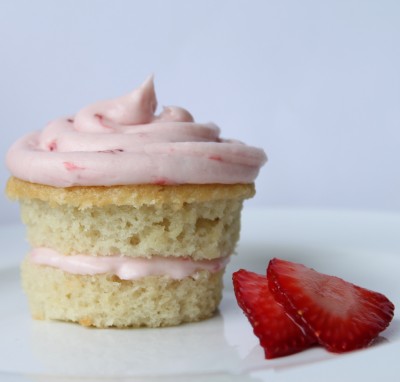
(131,216)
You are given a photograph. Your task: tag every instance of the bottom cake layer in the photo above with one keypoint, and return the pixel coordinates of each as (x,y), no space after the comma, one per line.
(104,300)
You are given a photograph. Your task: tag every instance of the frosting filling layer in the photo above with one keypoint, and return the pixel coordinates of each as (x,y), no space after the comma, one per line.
(122,141)
(126,268)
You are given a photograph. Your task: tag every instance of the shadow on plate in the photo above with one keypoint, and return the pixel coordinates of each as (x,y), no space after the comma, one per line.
(191,352)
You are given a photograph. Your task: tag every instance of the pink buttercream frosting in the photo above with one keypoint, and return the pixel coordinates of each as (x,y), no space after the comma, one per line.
(122,141)
(126,268)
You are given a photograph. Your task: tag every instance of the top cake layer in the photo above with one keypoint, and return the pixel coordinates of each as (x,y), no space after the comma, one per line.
(122,142)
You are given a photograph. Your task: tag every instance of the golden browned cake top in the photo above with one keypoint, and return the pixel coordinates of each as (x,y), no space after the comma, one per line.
(136,195)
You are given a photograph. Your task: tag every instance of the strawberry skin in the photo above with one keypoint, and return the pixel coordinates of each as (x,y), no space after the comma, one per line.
(341,315)
(278,334)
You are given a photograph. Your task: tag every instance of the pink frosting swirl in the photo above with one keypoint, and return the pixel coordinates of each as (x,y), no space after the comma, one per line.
(122,141)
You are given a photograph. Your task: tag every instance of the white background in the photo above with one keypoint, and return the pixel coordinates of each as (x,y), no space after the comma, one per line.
(315,83)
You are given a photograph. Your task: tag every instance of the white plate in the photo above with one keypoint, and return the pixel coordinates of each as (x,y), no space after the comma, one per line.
(361,247)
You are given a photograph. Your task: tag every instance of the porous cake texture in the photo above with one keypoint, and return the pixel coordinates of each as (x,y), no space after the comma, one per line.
(179,227)
(189,221)
(104,300)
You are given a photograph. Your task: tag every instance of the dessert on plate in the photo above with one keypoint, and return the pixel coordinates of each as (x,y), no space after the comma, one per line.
(131,216)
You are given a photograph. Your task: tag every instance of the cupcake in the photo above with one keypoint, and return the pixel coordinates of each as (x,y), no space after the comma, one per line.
(131,216)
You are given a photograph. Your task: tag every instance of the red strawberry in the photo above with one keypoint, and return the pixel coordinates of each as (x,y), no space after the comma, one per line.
(277,333)
(342,316)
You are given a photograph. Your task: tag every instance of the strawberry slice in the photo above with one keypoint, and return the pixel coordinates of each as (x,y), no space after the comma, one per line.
(277,333)
(342,316)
